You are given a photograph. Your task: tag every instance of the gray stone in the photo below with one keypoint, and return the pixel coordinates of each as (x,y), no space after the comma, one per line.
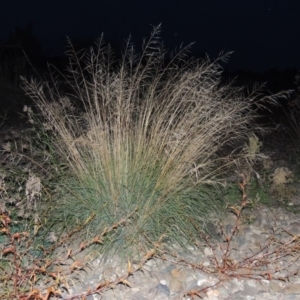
(292,289)
(176,285)
(160,288)
(168,269)
(138,296)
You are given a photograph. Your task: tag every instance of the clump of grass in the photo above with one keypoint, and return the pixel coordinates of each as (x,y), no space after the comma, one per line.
(147,139)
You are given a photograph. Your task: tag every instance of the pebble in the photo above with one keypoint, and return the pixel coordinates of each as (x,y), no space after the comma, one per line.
(165,278)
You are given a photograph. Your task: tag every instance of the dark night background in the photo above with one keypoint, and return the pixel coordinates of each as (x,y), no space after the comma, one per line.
(264,34)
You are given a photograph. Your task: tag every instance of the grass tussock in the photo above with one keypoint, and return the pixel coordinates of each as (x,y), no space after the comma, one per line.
(141,137)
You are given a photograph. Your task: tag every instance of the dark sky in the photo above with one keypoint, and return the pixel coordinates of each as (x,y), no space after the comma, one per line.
(263,34)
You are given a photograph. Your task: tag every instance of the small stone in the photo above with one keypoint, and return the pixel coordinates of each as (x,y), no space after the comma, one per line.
(201,281)
(175,285)
(180,274)
(241,240)
(208,252)
(206,264)
(274,286)
(168,269)
(215,293)
(138,296)
(192,285)
(292,289)
(163,281)
(175,273)
(160,288)
(249,289)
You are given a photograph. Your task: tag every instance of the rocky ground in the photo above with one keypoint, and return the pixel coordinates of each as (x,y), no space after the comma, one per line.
(261,263)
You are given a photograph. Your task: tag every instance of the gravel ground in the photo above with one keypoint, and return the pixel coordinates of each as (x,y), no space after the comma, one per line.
(263,263)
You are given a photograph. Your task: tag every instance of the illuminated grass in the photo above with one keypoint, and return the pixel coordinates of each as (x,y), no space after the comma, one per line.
(147,140)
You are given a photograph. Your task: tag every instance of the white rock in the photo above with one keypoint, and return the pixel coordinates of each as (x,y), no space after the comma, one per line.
(201,281)
(208,252)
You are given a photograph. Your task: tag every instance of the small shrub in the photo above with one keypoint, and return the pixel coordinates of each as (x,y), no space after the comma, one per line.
(282,187)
